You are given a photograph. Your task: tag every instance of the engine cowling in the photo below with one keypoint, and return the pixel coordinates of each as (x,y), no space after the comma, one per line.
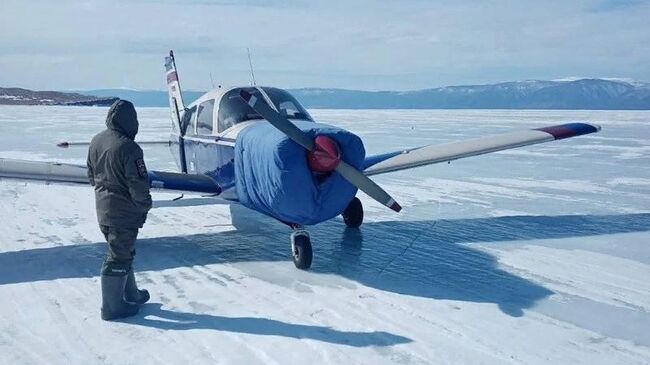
(277,177)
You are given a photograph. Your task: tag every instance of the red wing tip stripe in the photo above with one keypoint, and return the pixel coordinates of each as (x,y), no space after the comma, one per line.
(569,130)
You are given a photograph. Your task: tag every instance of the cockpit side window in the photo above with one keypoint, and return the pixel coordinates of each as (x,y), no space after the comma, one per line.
(204,117)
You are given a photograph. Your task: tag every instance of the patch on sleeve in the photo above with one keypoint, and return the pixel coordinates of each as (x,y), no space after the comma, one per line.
(142,169)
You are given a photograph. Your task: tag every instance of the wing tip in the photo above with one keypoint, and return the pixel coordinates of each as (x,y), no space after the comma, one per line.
(569,130)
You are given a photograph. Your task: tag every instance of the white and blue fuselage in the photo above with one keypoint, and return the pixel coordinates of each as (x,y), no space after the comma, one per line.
(221,136)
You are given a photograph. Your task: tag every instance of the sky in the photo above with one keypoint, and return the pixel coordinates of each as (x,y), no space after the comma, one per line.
(365,44)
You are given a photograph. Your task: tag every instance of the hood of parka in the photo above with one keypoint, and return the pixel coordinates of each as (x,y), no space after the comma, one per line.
(123,118)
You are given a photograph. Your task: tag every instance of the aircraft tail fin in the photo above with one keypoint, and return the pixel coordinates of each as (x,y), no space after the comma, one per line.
(174,88)
(177,107)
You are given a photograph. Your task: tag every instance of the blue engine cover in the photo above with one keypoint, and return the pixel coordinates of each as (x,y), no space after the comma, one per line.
(272,175)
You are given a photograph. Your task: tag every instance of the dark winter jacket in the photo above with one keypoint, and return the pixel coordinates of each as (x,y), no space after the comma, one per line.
(117,171)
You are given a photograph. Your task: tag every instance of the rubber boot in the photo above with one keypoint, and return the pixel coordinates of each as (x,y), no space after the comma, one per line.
(114,277)
(131,292)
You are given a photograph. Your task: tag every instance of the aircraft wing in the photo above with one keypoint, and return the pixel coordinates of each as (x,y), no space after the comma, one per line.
(427,155)
(60,173)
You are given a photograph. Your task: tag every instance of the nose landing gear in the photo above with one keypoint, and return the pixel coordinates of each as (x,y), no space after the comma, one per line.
(301,250)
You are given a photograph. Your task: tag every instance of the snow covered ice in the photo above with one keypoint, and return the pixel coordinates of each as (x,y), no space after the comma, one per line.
(538,255)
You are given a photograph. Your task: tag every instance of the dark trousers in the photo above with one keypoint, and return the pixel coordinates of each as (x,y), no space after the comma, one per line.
(121,249)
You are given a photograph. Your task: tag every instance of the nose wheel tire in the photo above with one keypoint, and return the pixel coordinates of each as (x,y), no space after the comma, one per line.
(353,214)
(301,249)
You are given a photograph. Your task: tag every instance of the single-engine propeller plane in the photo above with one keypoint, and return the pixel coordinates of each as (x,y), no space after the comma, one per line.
(259,147)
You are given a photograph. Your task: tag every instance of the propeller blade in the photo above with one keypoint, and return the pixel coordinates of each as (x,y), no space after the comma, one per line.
(365,184)
(277,120)
(354,176)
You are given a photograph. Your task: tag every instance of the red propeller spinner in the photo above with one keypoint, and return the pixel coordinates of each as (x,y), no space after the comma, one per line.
(325,156)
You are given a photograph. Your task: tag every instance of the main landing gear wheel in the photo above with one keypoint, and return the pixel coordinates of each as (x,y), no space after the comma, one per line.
(301,249)
(353,214)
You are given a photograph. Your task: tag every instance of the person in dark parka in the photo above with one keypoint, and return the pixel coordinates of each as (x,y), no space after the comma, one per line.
(117,170)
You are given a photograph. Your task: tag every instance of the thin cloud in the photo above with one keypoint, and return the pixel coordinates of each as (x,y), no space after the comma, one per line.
(410,44)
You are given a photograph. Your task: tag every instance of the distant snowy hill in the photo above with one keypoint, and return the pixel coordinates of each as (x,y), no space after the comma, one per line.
(530,94)
(578,94)
(18,96)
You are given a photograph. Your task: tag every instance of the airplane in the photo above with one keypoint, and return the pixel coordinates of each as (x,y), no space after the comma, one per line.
(259,147)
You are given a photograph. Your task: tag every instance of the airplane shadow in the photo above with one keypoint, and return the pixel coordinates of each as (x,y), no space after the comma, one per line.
(153,315)
(430,259)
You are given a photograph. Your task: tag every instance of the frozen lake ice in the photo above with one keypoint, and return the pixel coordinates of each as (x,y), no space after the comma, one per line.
(535,255)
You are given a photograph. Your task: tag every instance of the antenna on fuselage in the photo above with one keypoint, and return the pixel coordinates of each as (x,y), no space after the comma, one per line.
(211,80)
(250,64)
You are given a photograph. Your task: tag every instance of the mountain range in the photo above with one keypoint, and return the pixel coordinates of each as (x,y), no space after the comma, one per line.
(576,94)
(603,94)
(19,96)
(532,94)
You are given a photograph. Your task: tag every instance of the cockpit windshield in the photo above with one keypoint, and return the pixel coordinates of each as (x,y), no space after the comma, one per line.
(233,109)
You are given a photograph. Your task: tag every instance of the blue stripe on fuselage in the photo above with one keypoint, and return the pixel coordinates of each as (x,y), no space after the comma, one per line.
(183,182)
(205,156)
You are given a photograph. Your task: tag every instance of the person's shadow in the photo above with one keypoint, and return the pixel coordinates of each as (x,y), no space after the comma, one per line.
(153,315)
